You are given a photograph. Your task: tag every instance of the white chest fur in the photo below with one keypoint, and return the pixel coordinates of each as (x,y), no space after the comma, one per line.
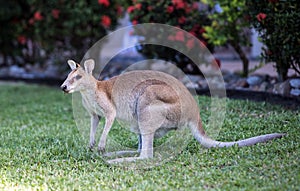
(91,104)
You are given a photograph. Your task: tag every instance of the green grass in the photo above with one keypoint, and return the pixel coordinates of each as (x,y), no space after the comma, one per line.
(41,148)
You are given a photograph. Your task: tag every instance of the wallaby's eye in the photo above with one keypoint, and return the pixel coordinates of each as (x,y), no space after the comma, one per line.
(78,77)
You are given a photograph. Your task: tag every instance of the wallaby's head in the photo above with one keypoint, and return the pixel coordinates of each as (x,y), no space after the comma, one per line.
(79,78)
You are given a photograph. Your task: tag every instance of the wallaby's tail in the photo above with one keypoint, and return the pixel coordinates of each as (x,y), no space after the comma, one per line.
(208,142)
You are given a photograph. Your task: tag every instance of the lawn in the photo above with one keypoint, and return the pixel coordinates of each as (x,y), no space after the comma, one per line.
(42,149)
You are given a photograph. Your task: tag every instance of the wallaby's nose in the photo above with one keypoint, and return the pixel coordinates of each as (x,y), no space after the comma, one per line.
(63,88)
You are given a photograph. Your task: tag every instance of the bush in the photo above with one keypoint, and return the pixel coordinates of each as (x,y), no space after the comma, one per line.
(277,22)
(228,27)
(10,12)
(183,14)
(34,29)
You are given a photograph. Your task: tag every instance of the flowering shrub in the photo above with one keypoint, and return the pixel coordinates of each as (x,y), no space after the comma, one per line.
(277,22)
(229,22)
(183,14)
(37,28)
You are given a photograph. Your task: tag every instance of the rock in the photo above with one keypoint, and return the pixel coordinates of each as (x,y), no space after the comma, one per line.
(242,83)
(215,82)
(254,80)
(295,83)
(194,81)
(203,83)
(282,88)
(16,71)
(4,71)
(295,92)
(230,77)
(263,86)
(195,78)
(192,85)
(51,71)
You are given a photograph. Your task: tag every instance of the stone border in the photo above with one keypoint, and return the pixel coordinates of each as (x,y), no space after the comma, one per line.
(287,102)
(292,103)
(42,81)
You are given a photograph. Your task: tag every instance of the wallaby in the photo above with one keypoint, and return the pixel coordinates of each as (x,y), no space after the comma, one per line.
(151,102)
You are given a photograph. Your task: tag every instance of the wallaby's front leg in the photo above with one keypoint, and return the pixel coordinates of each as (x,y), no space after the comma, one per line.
(109,120)
(94,124)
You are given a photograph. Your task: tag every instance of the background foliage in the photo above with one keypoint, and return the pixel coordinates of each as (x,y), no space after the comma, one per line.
(277,22)
(229,26)
(32,30)
(35,31)
(184,14)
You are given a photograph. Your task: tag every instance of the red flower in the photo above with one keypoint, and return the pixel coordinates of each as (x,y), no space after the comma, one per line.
(179,36)
(138,6)
(131,33)
(134,22)
(38,16)
(188,10)
(190,43)
(216,64)
(203,43)
(130,9)
(179,4)
(170,9)
(55,13)
(195,5)
(105,21)
(105,3)
(119,10)
(192,33)
(149,8)
(22,39)
(202,30)
(31,21)
(181,20)
(261,16)
(268,52)
(171,38)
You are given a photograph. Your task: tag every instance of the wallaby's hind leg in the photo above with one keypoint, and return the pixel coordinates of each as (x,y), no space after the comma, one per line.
(140,143)
(146,151)
(151,115)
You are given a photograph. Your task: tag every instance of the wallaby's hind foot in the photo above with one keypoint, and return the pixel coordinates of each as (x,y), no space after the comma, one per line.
(121,153)
(126,159)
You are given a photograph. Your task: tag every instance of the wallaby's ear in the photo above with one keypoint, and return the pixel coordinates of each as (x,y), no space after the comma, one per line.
(73,65)
(89,66)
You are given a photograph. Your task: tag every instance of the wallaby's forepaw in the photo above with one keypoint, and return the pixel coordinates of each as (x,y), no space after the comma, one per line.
(91,145)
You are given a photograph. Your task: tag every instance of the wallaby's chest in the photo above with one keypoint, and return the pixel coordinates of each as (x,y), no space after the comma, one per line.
(92,105)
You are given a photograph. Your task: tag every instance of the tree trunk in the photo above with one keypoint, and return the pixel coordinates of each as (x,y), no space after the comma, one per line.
(242,56)
(282,70)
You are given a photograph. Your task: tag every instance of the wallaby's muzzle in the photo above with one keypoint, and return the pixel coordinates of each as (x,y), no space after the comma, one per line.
(64,88)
